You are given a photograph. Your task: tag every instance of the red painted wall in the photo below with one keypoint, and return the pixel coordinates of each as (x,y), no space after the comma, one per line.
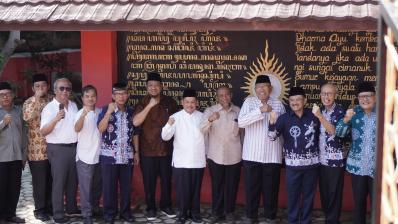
(99,61)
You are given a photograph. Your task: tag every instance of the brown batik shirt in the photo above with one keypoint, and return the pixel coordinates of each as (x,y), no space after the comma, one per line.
(37,147)
(151,143)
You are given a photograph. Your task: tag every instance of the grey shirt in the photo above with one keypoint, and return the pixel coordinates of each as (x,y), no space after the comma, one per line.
(13,137)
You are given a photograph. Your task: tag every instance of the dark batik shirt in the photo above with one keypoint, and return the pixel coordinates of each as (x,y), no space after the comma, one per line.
(117,139)
(331,150)
(301,139)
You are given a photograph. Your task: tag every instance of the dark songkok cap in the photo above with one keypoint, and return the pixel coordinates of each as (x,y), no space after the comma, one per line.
(294,91)
(119,86)
(262,79)
(366,87)
(189,93)
(153,76)
(39,78)
(5,85)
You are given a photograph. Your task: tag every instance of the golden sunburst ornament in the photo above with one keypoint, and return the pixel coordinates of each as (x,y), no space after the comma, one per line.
(276,72)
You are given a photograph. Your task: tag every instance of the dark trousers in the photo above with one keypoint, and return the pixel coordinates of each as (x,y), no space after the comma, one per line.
(63,171)
(10,187)
(261,178)
(362,187)
(96,187)
(301,187)
(153,167)
(224,186)
(188,183)
(42,185)
(114,175)
(331,181)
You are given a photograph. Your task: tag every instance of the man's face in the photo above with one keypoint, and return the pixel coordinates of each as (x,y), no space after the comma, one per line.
(40,88)
(224,97)
(154,88)
(63,91)
(263,90)
(297,103)
(120,97)
(6,98)
(189,104)
(328,95)
(367,100)
(89,98)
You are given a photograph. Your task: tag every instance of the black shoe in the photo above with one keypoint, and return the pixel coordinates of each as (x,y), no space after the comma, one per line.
(181,220)
(151,215)
(76,213)
(169,212)
(42,216)
(247,220)
(197,219)
(230,218)
(215,219)
(127,218)
(88,220)
(270,221)
(15,219)
(109,222)
(61,220)
(97,212)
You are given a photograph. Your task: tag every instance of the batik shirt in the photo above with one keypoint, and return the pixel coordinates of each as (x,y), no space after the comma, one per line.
(301,137)
(117,140)
(361,157)
(331,151)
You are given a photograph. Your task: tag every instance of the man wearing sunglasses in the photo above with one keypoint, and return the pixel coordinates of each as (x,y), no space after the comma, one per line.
(361,122)
(57,125)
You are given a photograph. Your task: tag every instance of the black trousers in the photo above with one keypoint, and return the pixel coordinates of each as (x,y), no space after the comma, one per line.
(96,187)
(362,187)
(331,181)
(41,182)
(188,183)
(153,167)
(224,186)
(261,178)
(301,188)
(114,175)
(10,187)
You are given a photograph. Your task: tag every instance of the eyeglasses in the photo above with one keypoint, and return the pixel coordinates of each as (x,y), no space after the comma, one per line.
(327,94)
(5,95)
(363,97)
(63,88)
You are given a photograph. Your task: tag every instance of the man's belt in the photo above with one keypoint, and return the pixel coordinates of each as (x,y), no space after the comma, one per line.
(64,145)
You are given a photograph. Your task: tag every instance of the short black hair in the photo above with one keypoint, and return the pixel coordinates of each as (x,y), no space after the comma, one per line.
(87,88)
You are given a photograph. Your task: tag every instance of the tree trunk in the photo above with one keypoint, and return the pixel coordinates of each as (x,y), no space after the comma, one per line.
(12,43)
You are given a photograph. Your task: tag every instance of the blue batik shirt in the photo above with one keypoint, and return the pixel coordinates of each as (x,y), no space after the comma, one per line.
(331,150)
(301,137)
(117,139)
(361,157)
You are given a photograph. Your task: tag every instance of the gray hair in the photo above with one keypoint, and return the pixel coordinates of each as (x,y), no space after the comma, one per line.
(61,80)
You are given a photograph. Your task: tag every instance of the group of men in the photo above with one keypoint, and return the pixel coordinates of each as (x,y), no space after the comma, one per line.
(98,147)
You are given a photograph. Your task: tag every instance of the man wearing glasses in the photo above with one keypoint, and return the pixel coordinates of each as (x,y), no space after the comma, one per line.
(331,155)
(57,125)
(361,121)
(12,154)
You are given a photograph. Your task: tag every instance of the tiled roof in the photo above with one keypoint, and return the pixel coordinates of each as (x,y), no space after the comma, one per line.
(110,12)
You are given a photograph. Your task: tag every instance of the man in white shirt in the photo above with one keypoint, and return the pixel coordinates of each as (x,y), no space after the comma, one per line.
(88,148)
(189,159)
(224,154)
(262,158)
(57,125)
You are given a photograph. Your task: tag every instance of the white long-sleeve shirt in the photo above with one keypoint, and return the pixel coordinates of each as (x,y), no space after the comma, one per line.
(189,143)
(257,146)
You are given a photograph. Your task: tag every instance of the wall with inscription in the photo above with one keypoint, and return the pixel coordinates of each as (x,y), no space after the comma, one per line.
(205,60)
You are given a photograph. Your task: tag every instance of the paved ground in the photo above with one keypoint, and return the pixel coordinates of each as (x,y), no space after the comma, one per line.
(26,207)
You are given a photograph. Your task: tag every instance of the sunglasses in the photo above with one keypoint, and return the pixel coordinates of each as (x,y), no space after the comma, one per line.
(63,88)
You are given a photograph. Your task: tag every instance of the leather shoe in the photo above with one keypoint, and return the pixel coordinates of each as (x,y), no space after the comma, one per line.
(88,220)
(15,220)
(61,220)
(128,218)
(42,217)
